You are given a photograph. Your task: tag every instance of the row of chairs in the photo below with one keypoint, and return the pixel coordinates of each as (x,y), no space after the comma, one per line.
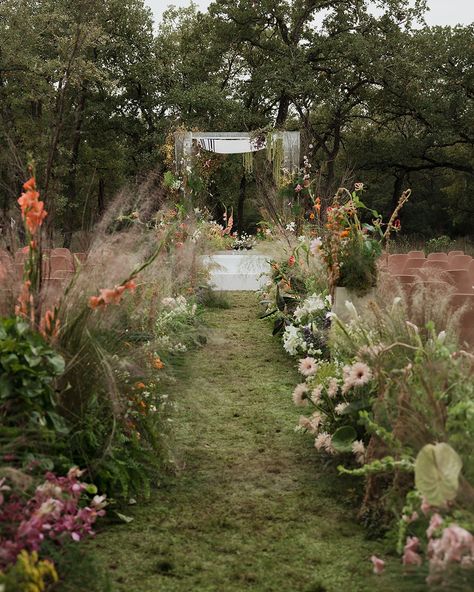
(439,273)
(59,263)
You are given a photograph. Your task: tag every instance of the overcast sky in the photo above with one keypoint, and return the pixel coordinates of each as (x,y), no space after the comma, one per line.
(442,12)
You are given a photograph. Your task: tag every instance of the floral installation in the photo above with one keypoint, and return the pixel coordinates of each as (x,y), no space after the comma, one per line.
(335,394)
(307,327)
(56,511)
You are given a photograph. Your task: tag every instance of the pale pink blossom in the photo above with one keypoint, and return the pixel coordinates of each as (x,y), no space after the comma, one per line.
(379,564)
(316,394)
(305,423)
(435,522)
(332,388)
(323,441)
(361,373)
(307,366)
(339,408)
(299,395)
(410,555)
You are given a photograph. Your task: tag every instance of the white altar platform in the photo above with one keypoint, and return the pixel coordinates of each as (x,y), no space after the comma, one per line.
(237,270)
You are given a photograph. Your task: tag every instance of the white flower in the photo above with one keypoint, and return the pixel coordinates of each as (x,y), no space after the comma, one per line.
(302,238)
(291,340)
(339,408)
(291,227)
(358,448)
(315,246)
(442,336)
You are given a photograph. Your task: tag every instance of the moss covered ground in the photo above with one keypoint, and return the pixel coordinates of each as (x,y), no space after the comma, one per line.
(250,506)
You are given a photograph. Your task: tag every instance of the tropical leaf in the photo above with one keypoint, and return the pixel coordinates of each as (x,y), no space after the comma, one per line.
(437,469)
(343,438)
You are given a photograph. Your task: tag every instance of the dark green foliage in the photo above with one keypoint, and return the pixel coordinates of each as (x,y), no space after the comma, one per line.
(28,367)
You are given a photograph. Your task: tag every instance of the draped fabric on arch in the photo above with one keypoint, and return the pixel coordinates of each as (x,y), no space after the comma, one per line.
(238,143)
(230,145)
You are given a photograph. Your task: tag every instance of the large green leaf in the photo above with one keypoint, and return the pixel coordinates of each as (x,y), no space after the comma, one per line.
(343,438)
(437,469)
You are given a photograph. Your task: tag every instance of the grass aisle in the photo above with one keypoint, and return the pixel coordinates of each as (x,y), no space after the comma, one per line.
(250,508)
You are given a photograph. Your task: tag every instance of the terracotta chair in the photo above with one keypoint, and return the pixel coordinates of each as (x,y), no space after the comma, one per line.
(416,255)
(64,275)
(21,255)
(459,261)
(61,252)
(436,264)
(438,257)
(52,290)
(57,263)
(461,279)
(470,270)
(466,324)
(396,263)
(412,264)
(452,253)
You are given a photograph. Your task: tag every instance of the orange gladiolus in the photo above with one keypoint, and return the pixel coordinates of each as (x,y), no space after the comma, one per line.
(140,385)
(111,295)
(32,209)
(344,233)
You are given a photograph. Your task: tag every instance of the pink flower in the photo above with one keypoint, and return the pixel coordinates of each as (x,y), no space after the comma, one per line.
(315,246)
(298,188)
(323,441)
(299,395)
(435,522)
(307,366)
(379,564)
(333,387)
(410,555)
(316,394)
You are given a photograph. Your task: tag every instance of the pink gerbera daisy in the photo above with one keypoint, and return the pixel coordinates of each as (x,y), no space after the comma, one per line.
(307,366)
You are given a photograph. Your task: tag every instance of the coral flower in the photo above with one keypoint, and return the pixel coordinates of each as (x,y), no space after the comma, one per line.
(344,233)
(158,364)
(32,209)
(291,260)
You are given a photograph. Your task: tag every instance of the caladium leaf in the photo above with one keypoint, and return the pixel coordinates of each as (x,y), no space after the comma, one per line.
(437,469)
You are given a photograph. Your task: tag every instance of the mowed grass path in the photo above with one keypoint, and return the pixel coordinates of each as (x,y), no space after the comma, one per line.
(250,507)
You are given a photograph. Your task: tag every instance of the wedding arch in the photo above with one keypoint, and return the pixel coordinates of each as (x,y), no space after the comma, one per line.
(283,148)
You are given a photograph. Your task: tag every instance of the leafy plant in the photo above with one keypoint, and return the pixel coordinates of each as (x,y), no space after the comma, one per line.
(28,368)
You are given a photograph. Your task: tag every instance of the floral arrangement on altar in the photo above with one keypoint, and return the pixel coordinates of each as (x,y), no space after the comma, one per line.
(349,247)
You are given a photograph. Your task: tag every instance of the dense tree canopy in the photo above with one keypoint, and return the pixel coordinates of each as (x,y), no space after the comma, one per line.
(90,91)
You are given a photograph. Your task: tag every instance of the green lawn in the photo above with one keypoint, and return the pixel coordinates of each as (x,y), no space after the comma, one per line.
(250,507)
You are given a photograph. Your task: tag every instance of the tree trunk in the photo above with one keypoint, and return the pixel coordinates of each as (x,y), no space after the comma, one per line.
(240,205)
(101,197)
(283,108)
(71,190)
